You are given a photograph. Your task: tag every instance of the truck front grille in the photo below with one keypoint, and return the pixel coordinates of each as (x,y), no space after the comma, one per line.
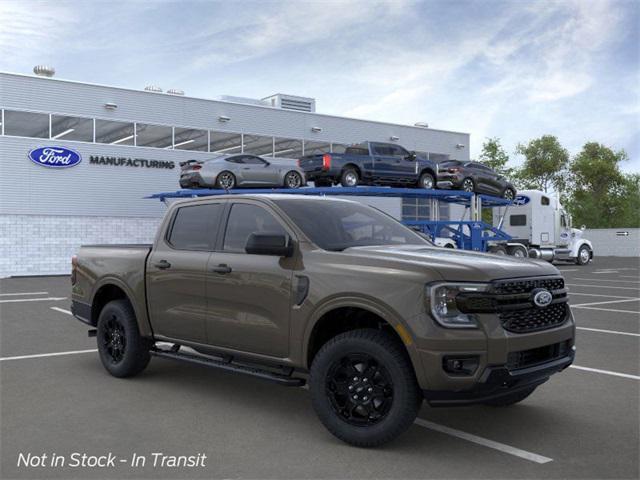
(537,356)
(515,307)
(534,319)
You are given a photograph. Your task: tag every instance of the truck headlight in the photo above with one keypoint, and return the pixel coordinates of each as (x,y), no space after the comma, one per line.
(443,304)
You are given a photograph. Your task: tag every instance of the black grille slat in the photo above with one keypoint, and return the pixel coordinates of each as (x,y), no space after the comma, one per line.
(510,287)
(536,356)
(534,319)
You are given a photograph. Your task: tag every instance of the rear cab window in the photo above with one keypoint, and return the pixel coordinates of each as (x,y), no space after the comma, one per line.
(518,220)
(195,227)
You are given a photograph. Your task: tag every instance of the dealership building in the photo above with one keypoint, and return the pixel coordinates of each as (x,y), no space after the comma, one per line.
(128,145)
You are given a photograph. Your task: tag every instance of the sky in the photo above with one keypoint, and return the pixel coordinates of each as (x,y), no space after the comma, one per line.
(514,70)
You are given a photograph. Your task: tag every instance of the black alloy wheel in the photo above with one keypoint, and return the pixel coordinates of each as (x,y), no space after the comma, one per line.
(114,339)
(293,180)
(468,185)
(360,389)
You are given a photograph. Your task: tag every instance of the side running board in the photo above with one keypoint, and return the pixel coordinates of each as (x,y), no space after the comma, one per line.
(229,366)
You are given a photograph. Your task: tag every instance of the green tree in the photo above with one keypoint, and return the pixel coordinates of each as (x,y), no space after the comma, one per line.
(600,195)
(544,166)
(494,156)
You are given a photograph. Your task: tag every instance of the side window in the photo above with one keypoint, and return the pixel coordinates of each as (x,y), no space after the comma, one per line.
(380,149)
(246,219)
(563,221)
(544,201)
(195,228)
(518,220)
(251,160)
(237,159)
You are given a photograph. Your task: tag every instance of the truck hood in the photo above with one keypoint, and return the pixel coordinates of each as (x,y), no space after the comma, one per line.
(457,265)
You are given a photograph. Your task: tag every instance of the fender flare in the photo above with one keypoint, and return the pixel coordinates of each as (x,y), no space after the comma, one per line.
(578,244)
(373,306)
(142,318)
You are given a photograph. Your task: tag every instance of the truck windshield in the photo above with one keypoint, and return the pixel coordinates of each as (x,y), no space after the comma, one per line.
(337,225)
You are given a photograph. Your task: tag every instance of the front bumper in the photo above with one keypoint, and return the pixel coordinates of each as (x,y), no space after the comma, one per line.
(498,381)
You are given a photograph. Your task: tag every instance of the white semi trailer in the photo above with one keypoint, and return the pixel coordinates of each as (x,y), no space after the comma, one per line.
(541,228)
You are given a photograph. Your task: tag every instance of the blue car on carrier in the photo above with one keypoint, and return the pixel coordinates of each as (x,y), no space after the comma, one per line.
(371,163)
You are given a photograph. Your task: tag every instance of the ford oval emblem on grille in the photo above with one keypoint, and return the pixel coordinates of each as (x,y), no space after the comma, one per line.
(55,157)
(542,298)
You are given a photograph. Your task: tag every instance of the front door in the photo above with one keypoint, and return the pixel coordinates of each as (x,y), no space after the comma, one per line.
(177,273)
(249,296)
(256,171)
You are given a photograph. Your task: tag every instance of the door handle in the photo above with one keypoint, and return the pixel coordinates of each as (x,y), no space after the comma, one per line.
(162,265)
(222,268)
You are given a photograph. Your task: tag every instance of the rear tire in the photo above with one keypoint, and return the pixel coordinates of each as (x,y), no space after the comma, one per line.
(511,399)
(509,194)
(226,180)
(349,178)
(498,250)
(292,180)
(468,185)
(518,251)
(123,352)
(363,387)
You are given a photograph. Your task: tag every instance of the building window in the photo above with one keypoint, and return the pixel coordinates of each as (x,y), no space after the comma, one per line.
(191,139)
(71,128)
(225,143)
(314,148)
(157,136)
(258,145)
(114,133)
(287,148)
(26,124)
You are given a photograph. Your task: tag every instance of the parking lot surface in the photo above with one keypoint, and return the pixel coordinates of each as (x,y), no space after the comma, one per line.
(56,398)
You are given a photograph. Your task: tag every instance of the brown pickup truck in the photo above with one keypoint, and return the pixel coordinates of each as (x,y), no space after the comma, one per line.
(293,289)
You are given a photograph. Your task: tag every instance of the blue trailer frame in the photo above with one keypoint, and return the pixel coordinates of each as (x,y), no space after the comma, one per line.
(473,234)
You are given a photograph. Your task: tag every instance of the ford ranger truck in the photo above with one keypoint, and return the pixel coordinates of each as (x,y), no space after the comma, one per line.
(293,289)
(370,163)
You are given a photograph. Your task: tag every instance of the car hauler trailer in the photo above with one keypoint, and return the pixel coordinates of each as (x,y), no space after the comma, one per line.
(472,234)
(538,222)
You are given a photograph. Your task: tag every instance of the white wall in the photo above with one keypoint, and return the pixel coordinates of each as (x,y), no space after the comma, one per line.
(611,242)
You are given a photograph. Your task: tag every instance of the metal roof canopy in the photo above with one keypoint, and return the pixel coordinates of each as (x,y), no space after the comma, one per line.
(449,196)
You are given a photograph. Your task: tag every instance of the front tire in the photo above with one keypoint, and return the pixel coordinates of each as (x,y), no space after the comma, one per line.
(510,399)
(427,181)
(584,255)
(363,387)
(123,352)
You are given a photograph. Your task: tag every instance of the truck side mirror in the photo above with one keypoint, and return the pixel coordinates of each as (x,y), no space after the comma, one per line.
(269,244)
(412,156)
(583,227)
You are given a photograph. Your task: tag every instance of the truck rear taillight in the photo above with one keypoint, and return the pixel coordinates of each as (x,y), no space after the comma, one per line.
(326,161)
(74,267)
(196,167)
(454,170)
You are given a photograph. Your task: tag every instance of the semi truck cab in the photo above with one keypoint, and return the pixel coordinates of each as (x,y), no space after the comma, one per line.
(538,222)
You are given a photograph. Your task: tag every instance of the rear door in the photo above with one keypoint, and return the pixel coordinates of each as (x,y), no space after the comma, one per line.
(177,272)
(249,296)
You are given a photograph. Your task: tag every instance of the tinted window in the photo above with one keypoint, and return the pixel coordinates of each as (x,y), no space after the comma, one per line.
(71,128)
(518,220)
(235,159)
(157,136)
(253,160)
(544,201)
(357,151)
(195,228)
(115,133)
(336,225)
(26,124)
(246,219)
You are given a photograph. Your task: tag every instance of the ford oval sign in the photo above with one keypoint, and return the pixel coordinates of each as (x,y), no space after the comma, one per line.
(521,200)
(542,298)
(55,157)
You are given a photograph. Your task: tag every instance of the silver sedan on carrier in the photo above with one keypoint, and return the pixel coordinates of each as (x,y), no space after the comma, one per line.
(241,170)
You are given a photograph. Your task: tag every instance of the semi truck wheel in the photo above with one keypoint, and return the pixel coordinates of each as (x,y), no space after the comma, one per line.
(498,250)
(123,352)
(512,399)
(363,387)
(519,251)
(584,255)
